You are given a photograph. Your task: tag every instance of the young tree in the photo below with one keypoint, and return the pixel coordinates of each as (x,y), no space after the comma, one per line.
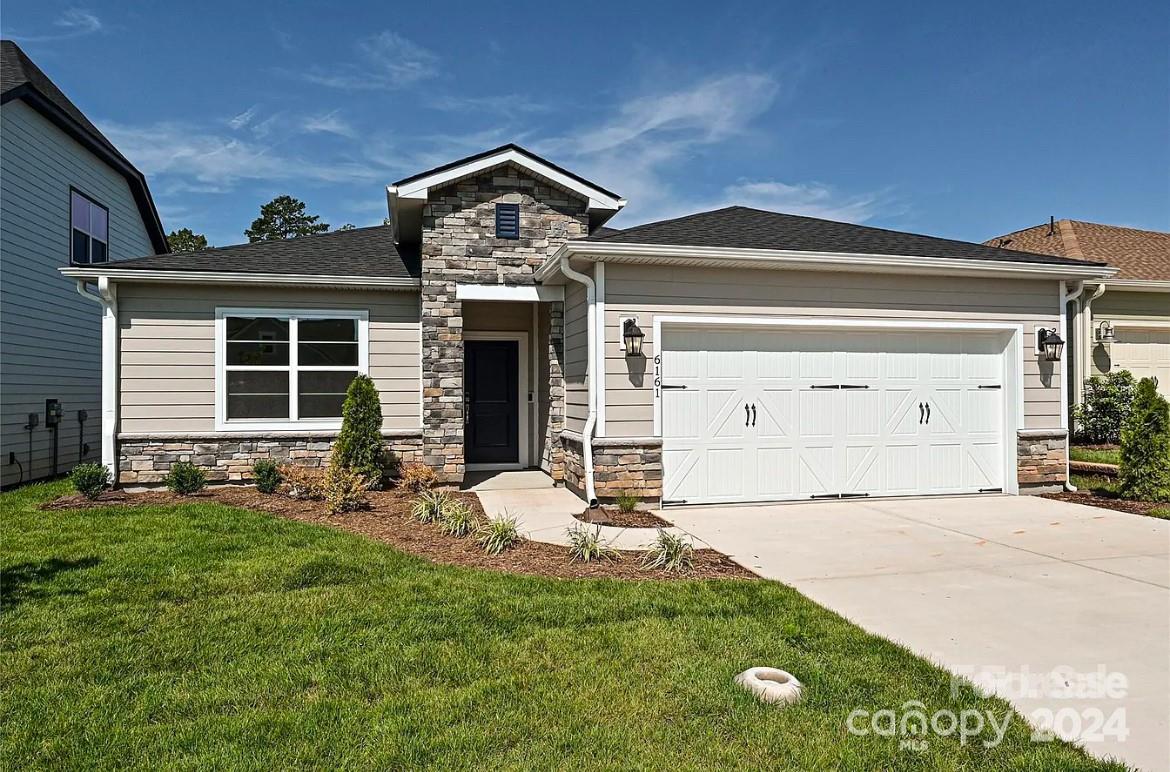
(284,217)
(186,240)
(1145,446)
(359,444)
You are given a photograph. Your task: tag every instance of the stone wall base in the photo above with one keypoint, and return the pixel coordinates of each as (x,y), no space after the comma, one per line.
(619,466)
(145,462)
(1041,458)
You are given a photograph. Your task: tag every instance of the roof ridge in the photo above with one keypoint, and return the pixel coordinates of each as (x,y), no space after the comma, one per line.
(259,243)
(1068,238)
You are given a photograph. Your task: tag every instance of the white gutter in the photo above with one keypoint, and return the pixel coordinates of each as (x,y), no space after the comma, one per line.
(230,277)
(791,259)
(1065,298)
(591,348)
(107,298)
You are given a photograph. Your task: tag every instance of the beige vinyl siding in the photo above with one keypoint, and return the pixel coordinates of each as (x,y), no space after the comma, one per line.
(167,375)
(649,291)
(1129,305)
(576,356)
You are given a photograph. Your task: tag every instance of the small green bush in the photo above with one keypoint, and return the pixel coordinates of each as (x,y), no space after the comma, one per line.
(498,534)
(1144,472)
(628,502)
(458,519)
(267,476)
(185,478)
(90,479)
(1107,401)
(345,491)
(585,544)
(428,506)
(670,552)
(359,444)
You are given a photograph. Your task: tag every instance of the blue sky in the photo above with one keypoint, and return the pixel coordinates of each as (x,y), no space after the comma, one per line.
(964,120)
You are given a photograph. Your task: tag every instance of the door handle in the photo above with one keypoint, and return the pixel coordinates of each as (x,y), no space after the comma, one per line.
(928,413)
(747,415)
(921,412)
(753,414)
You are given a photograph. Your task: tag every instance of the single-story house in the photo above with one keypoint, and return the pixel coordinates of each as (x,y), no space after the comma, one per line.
(1119,323)
(728,356)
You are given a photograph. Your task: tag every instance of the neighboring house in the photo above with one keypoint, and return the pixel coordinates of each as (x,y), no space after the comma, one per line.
(732,355)
(67,196)
(1123,322)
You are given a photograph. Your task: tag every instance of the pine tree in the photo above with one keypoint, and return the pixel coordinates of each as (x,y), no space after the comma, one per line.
(359,445)
(1145,446)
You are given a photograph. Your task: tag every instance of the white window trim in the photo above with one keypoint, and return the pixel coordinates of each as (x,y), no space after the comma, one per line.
(222,424)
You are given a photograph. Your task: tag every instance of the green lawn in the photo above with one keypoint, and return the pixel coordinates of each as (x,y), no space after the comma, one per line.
(1091,455)
(197,636)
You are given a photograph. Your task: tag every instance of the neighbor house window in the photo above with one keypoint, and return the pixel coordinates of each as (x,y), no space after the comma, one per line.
(91,229)
(287,369)
(507,221)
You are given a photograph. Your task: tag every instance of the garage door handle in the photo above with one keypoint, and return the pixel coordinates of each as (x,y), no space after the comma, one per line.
(928,413)
(921,412)
(747,415)
(753,414)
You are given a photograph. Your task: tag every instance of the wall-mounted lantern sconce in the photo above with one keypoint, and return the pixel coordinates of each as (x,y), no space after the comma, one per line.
(632,337)
(1105,332)
(1049,343)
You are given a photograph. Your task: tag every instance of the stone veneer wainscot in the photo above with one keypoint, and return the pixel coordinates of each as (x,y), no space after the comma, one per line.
(1040,460)
(620,465)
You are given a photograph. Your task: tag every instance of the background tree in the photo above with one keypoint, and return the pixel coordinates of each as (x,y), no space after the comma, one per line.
(284,217)
(347,227)
(186,240)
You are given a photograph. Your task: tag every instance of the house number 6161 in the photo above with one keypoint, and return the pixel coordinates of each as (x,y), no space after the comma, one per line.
(657,374)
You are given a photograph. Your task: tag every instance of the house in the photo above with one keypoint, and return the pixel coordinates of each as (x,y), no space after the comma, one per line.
(727,356)
(1119,323)
(67,197)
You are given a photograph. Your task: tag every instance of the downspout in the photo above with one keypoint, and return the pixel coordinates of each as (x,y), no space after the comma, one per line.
(590,358)
(107,298)
(1066,298)
(1085,354)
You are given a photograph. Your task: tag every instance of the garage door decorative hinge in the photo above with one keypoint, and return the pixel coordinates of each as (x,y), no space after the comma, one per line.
(991,490)
(673,386)
(839,496)
(673,501)
(840,386)
(985,386)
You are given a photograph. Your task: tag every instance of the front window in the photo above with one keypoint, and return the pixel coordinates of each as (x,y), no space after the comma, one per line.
(91,230)
(288,368)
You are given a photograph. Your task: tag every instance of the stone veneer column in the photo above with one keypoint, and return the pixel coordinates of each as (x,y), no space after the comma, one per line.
(442,375)
(553,450)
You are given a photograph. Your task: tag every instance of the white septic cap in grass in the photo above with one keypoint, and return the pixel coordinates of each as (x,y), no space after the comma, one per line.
(770,685)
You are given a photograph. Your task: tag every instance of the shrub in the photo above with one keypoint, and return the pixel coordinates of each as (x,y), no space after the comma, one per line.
(185,478)
(1144,472)
(670,552)
(458,519)
(90,479)
(359,444)
(267,476)
(585,544)
(1099,417)
(628,502)
(429,506)
(303,482)
(417,478)
(345,490)
(498,534)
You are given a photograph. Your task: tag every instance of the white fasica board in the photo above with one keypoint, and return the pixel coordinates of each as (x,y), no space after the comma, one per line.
(1138,285)
(531,293)
(724,257)
(418,189)
(227,277)
(524,433)
(1013,373)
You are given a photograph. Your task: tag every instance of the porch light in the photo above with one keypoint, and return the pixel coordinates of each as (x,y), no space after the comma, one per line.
(632,337)
(1105,332)
(1050,343)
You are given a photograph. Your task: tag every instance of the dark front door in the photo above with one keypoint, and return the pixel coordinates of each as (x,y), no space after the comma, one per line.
(492,402)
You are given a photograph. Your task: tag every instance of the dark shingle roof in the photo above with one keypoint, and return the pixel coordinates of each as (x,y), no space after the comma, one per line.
(743,228)
(357,252)
(20,78)
(605,231)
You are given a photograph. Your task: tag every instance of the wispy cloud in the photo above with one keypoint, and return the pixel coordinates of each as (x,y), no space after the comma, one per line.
(383,62)
(503,104)
(240,120)
(72,23)
(328,123)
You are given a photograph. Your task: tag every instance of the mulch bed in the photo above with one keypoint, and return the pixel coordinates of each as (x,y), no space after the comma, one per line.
(1104,502)
(389,521)
(615,517)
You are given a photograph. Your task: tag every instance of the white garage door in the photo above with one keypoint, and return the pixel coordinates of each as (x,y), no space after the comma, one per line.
(766,414)
(1145,352)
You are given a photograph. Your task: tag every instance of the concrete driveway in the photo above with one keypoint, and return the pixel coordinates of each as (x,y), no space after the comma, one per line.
(983,586)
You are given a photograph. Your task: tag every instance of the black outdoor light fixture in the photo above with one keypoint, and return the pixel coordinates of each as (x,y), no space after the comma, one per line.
(1105,332)
(632,337)
(1049,342)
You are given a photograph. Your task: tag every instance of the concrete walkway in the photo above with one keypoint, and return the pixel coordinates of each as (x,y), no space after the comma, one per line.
(983,586)
(546,512)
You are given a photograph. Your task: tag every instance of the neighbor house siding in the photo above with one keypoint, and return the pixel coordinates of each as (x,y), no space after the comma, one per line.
(576,356)
(1120,307)
(50,342)
(1132,306)
(649,291)
(167,374)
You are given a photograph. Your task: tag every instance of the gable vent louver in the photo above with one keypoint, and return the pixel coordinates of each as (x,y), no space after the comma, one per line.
(507,221)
